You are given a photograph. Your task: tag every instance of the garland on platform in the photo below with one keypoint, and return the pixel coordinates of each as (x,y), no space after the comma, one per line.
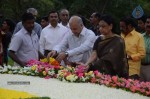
(13,94)
(52,69)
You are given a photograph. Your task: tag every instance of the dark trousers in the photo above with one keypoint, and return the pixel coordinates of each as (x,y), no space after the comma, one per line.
(5,57)
(135,77)
(145,72)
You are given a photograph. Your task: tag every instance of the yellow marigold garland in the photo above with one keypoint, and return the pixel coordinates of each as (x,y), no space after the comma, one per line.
(13,94)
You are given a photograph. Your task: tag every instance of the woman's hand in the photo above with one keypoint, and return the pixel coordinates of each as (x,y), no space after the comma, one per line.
(82,64)
(87,68)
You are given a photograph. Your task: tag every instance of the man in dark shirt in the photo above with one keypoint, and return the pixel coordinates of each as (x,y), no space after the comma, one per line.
(94,20)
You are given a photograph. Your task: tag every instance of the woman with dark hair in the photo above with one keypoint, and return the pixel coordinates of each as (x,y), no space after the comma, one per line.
(8,28)
(108,54)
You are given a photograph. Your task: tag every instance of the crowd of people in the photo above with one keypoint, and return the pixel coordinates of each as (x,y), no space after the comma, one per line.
(70,42)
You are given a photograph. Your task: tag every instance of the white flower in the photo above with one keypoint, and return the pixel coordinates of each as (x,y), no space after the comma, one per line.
(21,71)
(59,71)
(83,79)
(71,78)
(76,77)
(15,67)
(10,72)
(51,72)
(28,73)
(5,69)
(15,71)
(9,67)
(86,78)
(36,71)
(63,79)
(1,67)
(1,71)
(27,68)
(25,71)
(33,74)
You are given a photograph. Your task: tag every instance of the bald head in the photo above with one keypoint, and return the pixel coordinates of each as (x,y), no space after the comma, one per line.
(75,19)
(76,25)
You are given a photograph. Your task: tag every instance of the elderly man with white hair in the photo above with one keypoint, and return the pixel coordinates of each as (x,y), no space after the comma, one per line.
(77,45)
(64,17)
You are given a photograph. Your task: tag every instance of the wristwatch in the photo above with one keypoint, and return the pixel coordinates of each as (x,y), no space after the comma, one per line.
(66,53)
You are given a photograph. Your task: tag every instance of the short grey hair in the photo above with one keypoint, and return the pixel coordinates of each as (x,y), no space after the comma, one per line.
(31,10)
(63,10)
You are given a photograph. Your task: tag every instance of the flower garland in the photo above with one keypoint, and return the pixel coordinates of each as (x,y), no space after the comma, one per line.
(52,69)
(13,94)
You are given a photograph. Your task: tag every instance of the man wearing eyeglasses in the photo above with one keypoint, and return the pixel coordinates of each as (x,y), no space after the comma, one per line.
(52,34)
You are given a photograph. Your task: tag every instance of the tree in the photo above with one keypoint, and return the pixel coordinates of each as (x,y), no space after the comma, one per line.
(117,8)
(15,8)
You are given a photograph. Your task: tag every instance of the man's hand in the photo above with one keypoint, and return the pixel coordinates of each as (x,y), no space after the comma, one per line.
(16,59)
(80,63)
(51,54)
(61,56)
(87,68)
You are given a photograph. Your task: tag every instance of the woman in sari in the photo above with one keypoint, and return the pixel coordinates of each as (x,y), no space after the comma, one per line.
(108,56)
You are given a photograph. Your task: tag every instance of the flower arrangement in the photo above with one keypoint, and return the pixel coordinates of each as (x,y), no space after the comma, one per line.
(43,68)
(134,86)
(52,69)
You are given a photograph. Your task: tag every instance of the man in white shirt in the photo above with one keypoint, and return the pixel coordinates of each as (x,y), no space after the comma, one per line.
(64,17)
(52,34)
(79,43)
(24,45)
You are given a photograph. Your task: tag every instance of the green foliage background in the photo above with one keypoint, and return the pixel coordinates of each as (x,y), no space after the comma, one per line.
(118,8)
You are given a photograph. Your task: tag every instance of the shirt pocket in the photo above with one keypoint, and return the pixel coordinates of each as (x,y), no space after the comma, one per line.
(28,47)
(133,47)
(36,44)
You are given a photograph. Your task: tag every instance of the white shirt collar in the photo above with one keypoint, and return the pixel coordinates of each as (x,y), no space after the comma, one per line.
(50,26)
(82,32)
(26,32)
(67,26)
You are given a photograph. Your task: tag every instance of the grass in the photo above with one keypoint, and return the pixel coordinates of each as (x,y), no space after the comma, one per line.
(10,61)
